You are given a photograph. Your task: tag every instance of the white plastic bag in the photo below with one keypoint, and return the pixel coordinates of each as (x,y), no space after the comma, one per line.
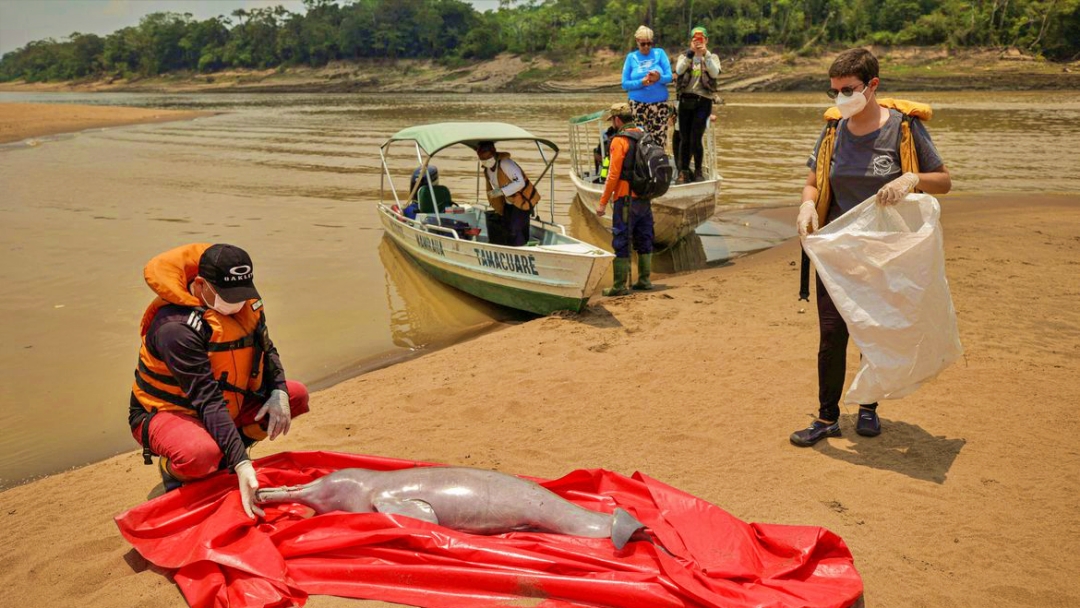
(884,268)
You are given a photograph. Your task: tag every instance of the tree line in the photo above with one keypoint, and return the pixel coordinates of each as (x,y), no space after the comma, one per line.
(452,30)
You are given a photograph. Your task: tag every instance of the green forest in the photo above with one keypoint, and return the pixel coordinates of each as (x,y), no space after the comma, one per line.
(453,31)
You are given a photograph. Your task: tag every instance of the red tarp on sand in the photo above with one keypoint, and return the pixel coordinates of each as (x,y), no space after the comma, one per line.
(223,559)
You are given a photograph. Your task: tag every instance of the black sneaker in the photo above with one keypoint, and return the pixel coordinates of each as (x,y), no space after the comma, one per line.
(868,424)
(815,433)
(169,482)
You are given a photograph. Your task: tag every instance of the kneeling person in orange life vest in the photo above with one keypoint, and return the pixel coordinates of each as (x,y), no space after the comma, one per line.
(512,195)
(209,382)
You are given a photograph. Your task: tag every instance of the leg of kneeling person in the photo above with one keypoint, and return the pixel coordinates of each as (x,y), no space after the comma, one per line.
(298,397)
(183,440)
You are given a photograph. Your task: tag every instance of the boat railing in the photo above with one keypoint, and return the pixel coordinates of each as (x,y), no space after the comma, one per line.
(424,159)
(711,160)
(438,228)
(421,226)
(542,222)
(586,132)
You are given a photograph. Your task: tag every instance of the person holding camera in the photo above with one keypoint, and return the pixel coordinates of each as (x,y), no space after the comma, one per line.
(695,84)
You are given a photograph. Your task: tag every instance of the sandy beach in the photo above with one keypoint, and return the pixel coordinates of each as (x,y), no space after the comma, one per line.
(968,498)
(20,121)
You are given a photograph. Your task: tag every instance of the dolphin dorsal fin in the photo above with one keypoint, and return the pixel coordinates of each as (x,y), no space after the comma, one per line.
(409,507)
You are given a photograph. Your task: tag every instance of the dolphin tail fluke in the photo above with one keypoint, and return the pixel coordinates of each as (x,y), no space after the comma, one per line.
(623,527)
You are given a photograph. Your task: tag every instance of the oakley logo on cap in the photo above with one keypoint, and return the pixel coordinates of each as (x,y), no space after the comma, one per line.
(238,273)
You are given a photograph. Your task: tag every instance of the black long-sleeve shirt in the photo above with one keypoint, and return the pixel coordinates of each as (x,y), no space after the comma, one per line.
(184,350)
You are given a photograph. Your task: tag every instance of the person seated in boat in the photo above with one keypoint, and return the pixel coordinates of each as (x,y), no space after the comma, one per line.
(512,195)
(600,156)
(427,198)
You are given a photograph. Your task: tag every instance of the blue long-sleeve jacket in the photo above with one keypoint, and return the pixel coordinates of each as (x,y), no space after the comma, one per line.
(635,69)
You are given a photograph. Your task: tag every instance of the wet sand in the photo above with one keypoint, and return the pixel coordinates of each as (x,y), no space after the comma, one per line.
(19,121)
(968,498)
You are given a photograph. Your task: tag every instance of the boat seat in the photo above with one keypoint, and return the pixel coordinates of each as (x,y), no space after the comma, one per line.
(429,200)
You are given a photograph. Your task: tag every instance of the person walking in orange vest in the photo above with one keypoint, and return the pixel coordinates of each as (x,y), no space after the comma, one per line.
(632,220)
(209,382)
(512,195)
(869,147)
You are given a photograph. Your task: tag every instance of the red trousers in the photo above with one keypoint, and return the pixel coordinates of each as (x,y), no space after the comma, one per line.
(191,451)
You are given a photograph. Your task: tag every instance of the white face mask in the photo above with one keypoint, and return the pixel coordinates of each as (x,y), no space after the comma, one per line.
(223,307)
(489,163)
(850,105)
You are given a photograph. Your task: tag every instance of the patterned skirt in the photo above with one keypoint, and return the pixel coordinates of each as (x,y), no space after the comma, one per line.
(652,118)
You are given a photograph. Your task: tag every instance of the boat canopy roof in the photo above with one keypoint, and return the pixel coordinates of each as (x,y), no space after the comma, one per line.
(434,137)
(588,117)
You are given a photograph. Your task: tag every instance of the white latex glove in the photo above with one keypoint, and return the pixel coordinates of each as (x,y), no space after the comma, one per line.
(245,475)
(280,414)
(600,210)
(496,193)
(895,191)
(808,218)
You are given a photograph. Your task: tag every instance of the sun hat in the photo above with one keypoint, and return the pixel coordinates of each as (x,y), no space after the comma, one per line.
(621,109)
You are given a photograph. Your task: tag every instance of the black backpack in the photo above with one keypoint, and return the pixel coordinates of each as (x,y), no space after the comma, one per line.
(647,167)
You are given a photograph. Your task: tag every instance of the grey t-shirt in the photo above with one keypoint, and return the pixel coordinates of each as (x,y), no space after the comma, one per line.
(861,165)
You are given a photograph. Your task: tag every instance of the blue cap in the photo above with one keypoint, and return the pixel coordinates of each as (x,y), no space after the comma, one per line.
(432,170)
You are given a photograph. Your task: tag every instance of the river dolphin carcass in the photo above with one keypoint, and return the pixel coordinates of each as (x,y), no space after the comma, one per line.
(470,500)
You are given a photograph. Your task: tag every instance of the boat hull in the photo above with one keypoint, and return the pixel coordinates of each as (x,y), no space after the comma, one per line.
(539,279)
(676,214)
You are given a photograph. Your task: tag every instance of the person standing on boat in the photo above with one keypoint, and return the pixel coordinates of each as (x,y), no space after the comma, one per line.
(632,219)
(646,74)
(508,184)
(869,147)
(209,382)
(696,73)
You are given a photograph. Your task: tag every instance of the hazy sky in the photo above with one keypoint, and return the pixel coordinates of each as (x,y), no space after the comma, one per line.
(23,21)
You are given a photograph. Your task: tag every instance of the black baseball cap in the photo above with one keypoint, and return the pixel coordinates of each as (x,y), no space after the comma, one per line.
(229,270)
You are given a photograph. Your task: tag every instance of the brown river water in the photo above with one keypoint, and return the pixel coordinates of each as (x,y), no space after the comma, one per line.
(292,178)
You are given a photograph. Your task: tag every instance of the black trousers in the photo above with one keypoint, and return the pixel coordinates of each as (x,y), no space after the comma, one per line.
(694,112)
(515,225)
(832,356)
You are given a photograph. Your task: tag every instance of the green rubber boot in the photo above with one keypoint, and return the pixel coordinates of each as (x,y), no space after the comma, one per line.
(622,275)
(644,269)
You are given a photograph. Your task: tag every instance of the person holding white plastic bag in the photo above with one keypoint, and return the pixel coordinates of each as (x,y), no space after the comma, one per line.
(868,146)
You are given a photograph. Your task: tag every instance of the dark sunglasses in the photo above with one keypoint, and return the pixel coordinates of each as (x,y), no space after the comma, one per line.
(847,91)
(645,43)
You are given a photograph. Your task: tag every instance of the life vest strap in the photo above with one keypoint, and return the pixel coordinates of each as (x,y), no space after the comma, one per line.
(162,378)
(263,345)
(225,385)
(246,342)
(147,453)
(154,391)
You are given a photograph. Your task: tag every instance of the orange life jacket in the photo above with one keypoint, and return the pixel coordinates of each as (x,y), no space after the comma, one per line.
(909,159)
(235,348)
(524,199)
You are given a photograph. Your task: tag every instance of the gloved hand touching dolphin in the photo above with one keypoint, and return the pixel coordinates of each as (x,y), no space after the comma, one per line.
(470,500)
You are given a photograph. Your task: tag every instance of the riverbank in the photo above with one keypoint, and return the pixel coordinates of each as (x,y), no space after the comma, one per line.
(19,121)
(965,500)
(747,69)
